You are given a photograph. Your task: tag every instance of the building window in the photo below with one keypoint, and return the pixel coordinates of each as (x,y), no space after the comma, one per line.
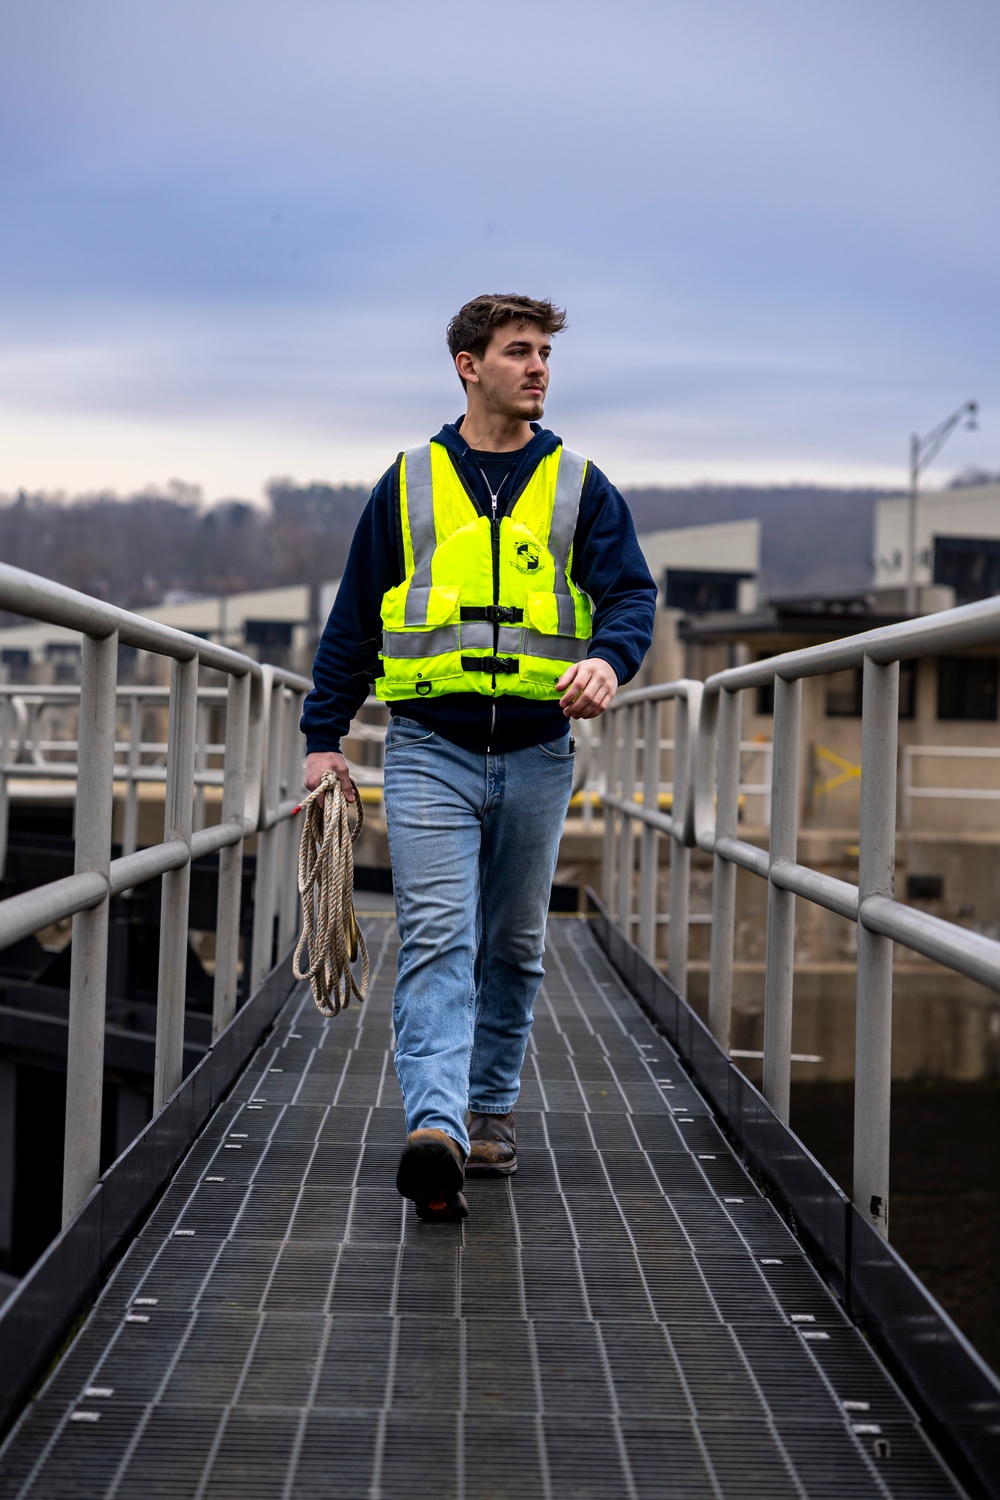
(700,591)
(17,663)
(843,694)
(269,635)
(970,564)
(967,687)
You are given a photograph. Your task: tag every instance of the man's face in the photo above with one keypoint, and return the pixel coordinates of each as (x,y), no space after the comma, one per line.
(513,374)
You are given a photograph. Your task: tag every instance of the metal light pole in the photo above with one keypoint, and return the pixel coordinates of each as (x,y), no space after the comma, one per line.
(923,451)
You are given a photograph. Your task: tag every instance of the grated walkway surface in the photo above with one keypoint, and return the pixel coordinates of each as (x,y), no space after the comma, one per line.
(626,1317)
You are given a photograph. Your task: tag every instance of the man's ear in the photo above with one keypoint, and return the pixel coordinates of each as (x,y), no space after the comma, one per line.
(466,367)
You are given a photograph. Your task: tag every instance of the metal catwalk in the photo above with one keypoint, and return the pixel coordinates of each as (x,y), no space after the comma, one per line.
(626,1317)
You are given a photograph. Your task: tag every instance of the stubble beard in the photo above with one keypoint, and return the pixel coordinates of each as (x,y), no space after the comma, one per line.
(531,409)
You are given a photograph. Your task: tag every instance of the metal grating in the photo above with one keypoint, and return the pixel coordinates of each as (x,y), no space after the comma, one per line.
(627,1317)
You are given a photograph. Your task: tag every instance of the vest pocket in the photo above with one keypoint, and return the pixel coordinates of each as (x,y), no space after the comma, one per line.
(420,608)
(541,612)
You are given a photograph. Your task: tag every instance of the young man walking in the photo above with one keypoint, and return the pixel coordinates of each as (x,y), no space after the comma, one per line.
(494,592)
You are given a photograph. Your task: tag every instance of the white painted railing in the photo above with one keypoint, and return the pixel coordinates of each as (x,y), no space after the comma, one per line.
(261,764)
(706,814)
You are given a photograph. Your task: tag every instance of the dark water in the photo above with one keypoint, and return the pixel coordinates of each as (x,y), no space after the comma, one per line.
(944,1187)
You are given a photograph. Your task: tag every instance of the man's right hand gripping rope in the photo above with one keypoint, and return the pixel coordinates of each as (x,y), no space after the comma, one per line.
(330,933)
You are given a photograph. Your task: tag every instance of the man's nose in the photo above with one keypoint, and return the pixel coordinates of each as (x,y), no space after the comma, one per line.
(536,366)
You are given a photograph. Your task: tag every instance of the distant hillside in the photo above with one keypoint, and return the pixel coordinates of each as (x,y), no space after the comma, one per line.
(136,549)
(812,537)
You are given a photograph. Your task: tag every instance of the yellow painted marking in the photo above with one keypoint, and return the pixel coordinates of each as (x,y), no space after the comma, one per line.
(848,772)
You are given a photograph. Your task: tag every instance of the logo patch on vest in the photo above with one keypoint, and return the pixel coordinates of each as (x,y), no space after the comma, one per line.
(527,557)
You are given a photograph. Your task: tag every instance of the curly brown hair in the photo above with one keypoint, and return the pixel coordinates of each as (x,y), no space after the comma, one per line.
(472,326)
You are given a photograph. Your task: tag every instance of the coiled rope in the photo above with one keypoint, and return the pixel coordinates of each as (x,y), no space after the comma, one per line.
(330,933)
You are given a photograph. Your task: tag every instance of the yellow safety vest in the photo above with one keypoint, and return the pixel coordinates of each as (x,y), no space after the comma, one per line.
(487,605)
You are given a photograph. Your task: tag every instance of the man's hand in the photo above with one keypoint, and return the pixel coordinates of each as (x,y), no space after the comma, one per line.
(317,766)
(587,688)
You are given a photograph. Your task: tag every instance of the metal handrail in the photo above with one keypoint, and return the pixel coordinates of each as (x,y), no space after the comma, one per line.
(262,758)
(620,811)
(711,815)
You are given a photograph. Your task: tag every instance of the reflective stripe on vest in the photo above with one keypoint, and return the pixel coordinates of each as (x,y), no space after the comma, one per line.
(419,522)
(485,605)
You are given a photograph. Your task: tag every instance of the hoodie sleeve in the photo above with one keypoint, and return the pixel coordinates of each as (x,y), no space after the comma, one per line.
(608,564)
(347,654)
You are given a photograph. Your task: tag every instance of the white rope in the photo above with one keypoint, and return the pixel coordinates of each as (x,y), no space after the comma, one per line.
(330,932)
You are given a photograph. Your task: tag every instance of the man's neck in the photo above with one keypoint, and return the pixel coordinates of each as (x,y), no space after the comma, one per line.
(492,432)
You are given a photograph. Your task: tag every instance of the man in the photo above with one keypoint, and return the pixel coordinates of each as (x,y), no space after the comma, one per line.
(494,592)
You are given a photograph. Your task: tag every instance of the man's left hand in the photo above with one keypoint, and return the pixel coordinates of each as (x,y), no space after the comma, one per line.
(587,688)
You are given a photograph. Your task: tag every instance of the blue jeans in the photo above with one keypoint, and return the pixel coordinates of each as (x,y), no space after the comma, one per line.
(473,840)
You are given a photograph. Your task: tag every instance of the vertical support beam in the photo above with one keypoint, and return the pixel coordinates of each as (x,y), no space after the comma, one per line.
(265,881)
(263,907)
(171,994)
(611,732)
(769,781)
(227,920)
(626,832)
(649,852)
(200,763)
(780,967)
(8,1136)
(876,869)
(720,987)
(680,854)
(677,935)
(89,960)
(288,880)
(130,822)
(6,740)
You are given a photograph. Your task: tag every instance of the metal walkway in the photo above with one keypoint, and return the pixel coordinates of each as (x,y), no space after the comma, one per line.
(627,1317)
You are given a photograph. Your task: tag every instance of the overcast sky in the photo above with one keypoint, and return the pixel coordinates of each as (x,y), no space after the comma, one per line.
(232,233)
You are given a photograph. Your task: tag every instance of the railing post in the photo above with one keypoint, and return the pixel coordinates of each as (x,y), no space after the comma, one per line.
(200,763)
(626,833)
(227,922)
(177,819)
(6,739)
(680,854)
(264,880)
(288,892)
(906,800)
(780,966)
(650,845)
(89,959)
(876,867)
(130,820)
(611,736)
(720,986)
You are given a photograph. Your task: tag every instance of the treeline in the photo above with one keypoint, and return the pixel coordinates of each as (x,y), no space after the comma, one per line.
(138,549)
(134,551)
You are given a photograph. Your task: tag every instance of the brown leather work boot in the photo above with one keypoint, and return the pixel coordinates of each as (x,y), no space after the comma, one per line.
(492,1145)
(432,1172)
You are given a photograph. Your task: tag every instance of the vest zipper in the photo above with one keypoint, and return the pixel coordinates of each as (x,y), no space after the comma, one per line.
(495,533)
(495,540)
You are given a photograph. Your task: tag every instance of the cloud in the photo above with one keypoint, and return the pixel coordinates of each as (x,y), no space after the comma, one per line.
(772,225)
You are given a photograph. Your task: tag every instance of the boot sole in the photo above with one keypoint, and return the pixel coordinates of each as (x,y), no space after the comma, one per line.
(491,1169)
(450,1212)
(428,1171)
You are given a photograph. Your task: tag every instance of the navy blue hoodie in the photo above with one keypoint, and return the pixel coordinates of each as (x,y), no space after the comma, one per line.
(607,564)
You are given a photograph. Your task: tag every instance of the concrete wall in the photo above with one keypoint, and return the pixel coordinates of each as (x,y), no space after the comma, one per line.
(971,512)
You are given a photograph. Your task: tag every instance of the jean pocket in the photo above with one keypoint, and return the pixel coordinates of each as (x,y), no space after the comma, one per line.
(406,732)
(564,748)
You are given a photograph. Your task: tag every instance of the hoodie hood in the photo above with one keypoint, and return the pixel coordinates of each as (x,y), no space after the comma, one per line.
(543,442)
